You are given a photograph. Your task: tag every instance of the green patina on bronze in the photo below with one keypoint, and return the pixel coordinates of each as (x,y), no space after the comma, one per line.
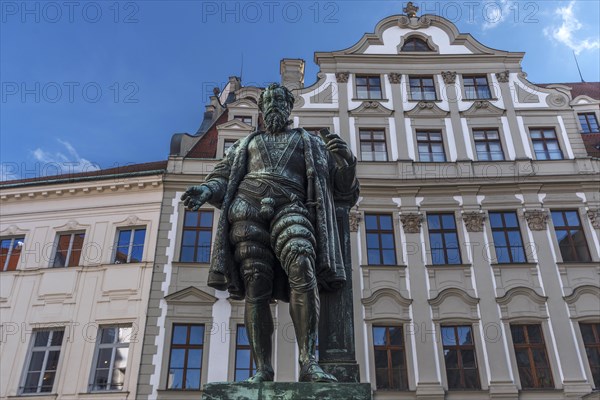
(283,234)
(286,391)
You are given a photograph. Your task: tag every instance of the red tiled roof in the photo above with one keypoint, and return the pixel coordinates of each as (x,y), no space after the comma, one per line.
(120,170)
(207,145)
(591,89)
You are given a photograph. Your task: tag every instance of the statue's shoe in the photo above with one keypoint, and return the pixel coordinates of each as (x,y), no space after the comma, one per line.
(261,376)
(312,372)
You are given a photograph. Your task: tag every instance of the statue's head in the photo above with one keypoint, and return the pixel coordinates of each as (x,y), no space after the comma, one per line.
(276,103)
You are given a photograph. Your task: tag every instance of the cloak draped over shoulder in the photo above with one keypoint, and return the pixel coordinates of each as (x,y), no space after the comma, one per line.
(331,183)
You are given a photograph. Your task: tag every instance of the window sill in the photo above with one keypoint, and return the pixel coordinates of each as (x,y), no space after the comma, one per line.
(38,396)
(383,267)
(576,264)
(189,264)
(426,101)
(448,266)
(513,265)
(378,100)
(110,394)
(482,99)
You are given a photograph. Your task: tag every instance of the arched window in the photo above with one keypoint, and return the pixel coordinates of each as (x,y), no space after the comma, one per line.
(415,44)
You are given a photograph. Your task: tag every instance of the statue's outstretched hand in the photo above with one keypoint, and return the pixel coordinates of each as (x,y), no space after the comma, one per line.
(336,145)
(195,196)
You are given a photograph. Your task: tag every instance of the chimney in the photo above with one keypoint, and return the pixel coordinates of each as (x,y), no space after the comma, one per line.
(292,73)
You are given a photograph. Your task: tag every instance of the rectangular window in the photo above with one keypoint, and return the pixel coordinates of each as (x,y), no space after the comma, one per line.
(476,87)
(227,145)
(591,340)
(507,237)
(368,87)
(390,358)
(443,239)
(130,245)
(244,362)
(10,251)
(545,144)
(570,236)
(110,359)
(197,236)
(532,358)
(43,361)
(244,118)
(381,248)
(488,145)
(431,146)
(68,249)
(422,88)
(372,145)
(588,122)
(460,358)
(185,361)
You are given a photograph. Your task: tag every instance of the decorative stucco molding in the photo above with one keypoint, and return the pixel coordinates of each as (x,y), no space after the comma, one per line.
(474,221)
(581,290)
(387,292)
(371,108)
(411,222)
(521,291)
(594,216)
(414,23)
(191,295)
(410,10)
(503,76)
(355,219)
(537,220)
(395,77)
(483,108)
(342,77)
(449,77)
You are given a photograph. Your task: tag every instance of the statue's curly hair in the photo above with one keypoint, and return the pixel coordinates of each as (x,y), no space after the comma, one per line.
(289,97)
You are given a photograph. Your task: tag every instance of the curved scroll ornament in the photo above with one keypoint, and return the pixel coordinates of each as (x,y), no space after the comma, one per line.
(537,220)
(449,77)
(594,216)
(474,221)
(411,222)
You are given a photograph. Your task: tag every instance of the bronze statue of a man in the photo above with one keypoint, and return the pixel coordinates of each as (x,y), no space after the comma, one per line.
(278,236)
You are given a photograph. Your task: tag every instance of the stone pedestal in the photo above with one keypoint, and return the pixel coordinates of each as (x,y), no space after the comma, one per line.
(286,391)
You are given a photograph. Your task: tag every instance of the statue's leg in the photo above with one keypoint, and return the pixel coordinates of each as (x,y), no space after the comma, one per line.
(252,251)
(294,244)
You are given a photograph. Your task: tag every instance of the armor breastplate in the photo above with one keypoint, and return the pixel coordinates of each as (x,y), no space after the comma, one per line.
(276,168)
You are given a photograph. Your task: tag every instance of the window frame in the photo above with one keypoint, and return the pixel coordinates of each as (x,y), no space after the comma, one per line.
(372,142)
(421,87)
(415,39)
(388,347)
(226,148)
(589,130)
(476,87)
(187,346)
(544,141)
(130,245)
(197,229)
(379,231)
(368,86)
(69,249)
(459,348)
(443,231)
(429,143)
(47,349)
(487,141)
(568,229)
(505,230)
(237,346)
(242,118)
(595,326)
(114,346)
(532,365)
(13,240)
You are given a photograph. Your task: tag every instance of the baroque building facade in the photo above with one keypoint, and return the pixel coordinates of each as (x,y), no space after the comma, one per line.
(475,242)
(76,258)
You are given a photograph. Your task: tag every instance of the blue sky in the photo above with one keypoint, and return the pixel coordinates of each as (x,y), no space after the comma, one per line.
(100,83)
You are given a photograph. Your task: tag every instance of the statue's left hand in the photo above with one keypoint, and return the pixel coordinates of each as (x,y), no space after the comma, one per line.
(195,196)
(336,145)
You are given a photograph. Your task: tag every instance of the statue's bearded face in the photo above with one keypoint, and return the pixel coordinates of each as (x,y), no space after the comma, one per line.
(276,110)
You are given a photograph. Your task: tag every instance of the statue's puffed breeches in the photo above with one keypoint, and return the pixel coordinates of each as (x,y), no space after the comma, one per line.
(289,237)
